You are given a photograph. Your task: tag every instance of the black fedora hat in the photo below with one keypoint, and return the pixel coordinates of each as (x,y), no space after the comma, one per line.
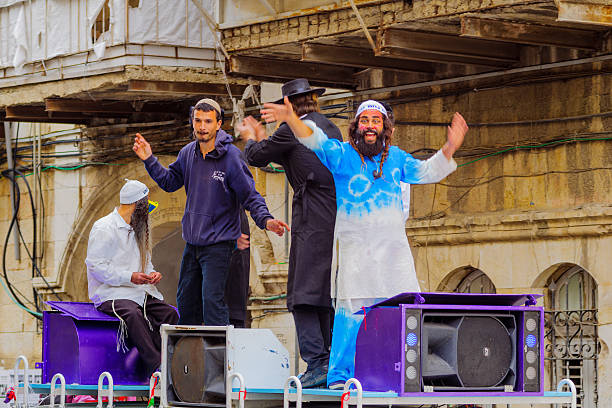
(298,86)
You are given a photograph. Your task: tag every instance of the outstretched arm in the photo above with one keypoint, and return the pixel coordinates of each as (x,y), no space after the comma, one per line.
(169,179)
(440,164)
(284,113)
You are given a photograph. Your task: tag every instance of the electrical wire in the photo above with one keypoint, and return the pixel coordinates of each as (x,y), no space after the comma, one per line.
(544,173)
(271,169)
(31,254)
(75,166)
(6,284)
(268,298)
(482,181)
(536,146)
(42,205)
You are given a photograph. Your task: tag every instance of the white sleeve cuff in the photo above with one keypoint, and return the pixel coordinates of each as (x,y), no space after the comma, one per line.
(436,168)
(445,165)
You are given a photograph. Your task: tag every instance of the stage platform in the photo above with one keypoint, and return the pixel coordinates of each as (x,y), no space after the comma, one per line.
(78,389)
(357,398)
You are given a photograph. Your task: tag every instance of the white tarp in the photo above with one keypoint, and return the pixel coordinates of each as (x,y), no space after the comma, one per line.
(65,26)
(20,35)
(8,3)
(57,10)
(164,21)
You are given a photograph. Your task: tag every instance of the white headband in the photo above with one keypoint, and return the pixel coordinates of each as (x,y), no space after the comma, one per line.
(371,105)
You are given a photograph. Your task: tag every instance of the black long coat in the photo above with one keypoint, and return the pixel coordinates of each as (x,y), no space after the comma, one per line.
(237,286)
(314,210)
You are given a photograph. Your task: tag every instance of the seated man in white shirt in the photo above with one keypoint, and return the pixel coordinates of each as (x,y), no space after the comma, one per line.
(121,277)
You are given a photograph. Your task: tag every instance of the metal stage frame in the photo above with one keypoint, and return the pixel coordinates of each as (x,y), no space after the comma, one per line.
(358,397)
(254,397)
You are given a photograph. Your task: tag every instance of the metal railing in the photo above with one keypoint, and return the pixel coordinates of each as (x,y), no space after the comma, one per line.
(571,350)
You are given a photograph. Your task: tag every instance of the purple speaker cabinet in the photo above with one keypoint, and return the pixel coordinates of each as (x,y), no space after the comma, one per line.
(452,343)
(80,342)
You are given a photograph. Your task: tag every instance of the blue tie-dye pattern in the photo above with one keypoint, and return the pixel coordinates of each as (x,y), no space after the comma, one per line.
(359,194)
(357,191)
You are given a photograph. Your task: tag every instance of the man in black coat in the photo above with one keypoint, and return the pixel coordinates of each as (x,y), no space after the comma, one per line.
(313,220)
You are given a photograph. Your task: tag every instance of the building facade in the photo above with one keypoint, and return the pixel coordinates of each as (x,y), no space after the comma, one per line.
(527,211)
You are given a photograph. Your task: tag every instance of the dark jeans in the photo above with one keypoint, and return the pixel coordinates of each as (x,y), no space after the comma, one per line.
(313,325)
(146,341)
(201,286)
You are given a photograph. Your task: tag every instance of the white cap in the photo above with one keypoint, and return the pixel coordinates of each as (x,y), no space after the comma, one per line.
(132,191)
(371,104)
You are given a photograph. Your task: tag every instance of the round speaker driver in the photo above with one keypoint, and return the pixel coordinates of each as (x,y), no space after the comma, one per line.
(484,351)
(530,373)
(530,324)
(411,373)
(411,322)
(187,369)
(531,357)
(411,356)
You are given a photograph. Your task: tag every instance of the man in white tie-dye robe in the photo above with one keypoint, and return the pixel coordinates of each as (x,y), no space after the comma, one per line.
(373,256)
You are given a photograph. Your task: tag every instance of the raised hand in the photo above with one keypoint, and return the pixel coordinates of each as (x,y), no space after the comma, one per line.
(246,130)
(273,112)
(258,129)
(457,130)
(455,134)
(277,226)
(141,147)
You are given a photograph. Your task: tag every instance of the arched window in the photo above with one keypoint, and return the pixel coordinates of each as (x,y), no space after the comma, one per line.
(475,281)
(572,344)
(572,288)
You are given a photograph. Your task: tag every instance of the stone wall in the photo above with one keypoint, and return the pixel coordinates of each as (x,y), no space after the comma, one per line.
(515,215)
(518,215)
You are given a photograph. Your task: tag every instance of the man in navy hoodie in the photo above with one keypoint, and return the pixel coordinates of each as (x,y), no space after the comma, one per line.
(217,183)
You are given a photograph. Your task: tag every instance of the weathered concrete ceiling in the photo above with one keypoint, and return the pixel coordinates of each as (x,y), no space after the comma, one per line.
(417,42)
(132,94)
(425,39)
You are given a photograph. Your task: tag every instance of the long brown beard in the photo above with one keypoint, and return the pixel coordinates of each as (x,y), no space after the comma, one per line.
(368,150)
(387,132)
(140,225)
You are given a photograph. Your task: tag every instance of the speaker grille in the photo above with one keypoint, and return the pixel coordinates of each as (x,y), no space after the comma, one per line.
(531,352)
(412,345)
(468,351)
(484,351)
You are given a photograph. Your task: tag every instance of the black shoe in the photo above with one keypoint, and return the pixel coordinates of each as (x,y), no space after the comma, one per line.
(336,385)
(315,378)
